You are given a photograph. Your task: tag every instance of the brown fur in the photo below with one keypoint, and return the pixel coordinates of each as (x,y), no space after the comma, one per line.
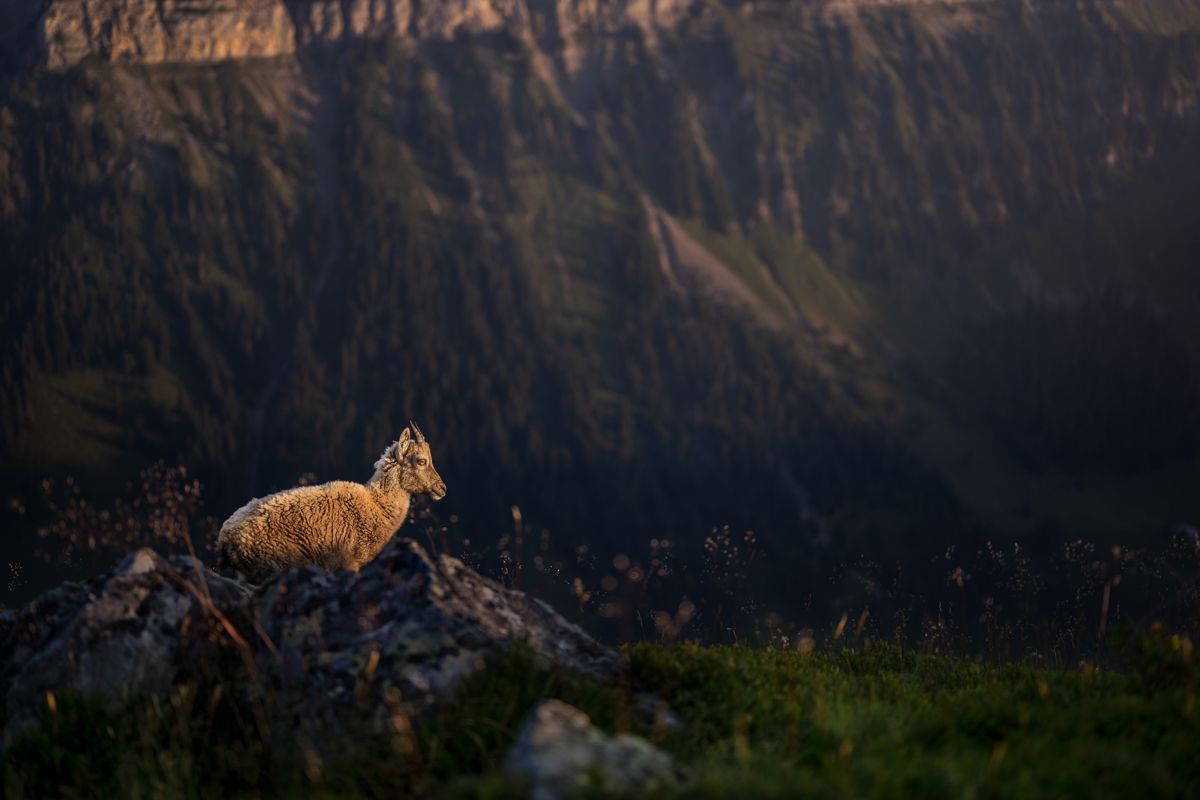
(337,525)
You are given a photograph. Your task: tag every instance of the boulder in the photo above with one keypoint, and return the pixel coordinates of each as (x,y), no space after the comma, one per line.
(559,752)
(137,630)
(399,635)
(408,627)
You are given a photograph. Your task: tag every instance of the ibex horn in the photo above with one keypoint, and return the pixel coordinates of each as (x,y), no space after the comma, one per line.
(417,431)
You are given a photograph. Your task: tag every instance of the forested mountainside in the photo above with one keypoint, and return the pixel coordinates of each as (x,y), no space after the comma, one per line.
(862,277)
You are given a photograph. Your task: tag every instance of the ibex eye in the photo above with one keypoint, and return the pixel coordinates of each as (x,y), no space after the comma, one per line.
(421,462)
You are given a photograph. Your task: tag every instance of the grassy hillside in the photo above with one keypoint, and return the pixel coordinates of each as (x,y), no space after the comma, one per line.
(879,722)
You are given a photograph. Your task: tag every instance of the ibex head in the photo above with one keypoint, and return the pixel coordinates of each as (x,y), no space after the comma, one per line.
(417,474)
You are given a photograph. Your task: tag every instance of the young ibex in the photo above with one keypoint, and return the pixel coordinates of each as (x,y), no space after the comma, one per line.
(337,525)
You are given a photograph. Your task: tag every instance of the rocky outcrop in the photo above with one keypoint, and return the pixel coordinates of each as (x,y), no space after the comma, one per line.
(409,625)
(203,31)
(405,630)
(559,752)
(137,630)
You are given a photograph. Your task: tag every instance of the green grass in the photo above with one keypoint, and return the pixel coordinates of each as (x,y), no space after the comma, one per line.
(894,724)
(772,723)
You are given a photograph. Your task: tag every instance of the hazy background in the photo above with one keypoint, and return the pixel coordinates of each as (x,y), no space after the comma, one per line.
(900,288)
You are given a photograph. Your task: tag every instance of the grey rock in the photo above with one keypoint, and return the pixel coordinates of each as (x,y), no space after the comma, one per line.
(559,752)
(409,627)
(397,636)
(133,631)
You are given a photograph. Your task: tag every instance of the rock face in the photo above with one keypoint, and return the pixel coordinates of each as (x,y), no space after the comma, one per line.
(558,751)
(200,31)
(152,32)
(405,629)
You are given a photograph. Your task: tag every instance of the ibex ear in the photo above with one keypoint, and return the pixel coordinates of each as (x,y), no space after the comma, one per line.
(404,442)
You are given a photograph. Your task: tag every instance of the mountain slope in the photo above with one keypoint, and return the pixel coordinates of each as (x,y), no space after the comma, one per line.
(780,265)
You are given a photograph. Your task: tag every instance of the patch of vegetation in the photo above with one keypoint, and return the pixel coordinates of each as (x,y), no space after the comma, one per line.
(875,722)
(196,742)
